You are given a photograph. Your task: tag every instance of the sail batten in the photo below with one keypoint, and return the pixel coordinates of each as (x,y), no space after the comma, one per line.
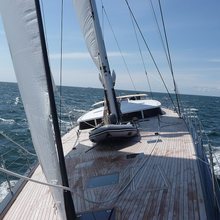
(23,35)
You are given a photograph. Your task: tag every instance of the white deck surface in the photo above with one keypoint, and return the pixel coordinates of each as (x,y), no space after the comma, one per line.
(125,107)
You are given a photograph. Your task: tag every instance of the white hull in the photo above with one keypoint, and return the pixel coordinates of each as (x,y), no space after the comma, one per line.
(129,108)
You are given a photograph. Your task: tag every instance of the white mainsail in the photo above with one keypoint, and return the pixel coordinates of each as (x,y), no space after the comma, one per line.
(90,26)
(22,31)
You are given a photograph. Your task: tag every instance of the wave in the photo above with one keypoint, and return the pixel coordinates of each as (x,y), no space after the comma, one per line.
(4,188)
(17,100)
(79,110)
(65,122)
(214,132)
(7,121)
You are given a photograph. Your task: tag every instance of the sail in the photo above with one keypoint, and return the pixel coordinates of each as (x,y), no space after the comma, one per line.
(90,26)
(22,32)
(89,23)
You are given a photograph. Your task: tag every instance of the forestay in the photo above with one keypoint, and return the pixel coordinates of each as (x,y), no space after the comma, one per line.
(22,30)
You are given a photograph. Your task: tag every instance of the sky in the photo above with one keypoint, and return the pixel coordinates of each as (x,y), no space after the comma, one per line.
(193,31)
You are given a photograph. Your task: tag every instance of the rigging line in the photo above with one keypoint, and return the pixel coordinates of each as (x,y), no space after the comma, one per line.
(141,55)
(45,31)
(120,51)
(61,59)
(33,180)
(169,56)
(103,30)
(8,138)
(158,27)
(66,188)
(151,55)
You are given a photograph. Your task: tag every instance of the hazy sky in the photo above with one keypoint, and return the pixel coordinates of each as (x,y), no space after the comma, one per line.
(193,29)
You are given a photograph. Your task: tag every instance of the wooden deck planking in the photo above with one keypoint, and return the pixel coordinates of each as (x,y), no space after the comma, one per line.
(30,201)
(167,186)
(149,213)
(170,171)
(158,199)
(179,180)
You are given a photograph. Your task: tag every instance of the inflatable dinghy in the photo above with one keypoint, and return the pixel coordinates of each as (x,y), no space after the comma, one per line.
(112,131)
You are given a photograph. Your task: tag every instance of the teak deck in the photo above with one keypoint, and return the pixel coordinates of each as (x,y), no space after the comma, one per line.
(158,180)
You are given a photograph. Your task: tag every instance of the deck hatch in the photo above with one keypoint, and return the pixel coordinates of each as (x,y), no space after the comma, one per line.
(105,180)
(131,156)
(154,141)
(97,215)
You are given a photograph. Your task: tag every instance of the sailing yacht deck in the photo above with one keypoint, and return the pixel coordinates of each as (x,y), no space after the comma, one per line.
(153,176)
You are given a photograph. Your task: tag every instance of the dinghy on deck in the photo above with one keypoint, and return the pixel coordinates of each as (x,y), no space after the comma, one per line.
(112,132)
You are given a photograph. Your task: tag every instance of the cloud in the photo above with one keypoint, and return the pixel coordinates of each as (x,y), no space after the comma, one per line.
(85,55)
(207,89)
(214,60)
(117,54)
(76,55)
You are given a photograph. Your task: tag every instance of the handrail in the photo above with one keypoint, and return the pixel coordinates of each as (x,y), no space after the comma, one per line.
(200,139)
(21,147)
(24,163)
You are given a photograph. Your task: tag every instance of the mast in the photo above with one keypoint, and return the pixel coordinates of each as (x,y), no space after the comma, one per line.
(68,201)
(89,22)
(104,66)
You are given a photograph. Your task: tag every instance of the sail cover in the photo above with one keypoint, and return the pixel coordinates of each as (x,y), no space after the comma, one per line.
(22,32)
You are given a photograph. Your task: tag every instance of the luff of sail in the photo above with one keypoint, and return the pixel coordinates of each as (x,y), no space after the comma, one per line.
(22,31)
(90,26)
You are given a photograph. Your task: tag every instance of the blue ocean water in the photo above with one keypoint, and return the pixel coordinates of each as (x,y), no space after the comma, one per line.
(76,101)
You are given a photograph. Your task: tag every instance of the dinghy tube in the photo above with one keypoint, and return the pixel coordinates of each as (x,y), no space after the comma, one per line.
(112,132)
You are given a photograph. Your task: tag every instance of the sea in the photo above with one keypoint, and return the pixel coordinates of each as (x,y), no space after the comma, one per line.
(72,102)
